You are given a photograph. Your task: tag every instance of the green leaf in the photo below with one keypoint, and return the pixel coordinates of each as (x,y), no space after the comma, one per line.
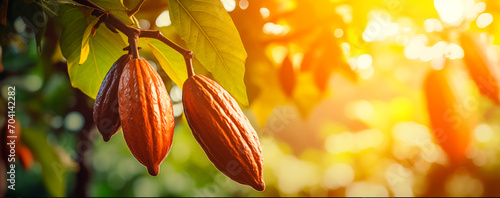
(53,170)
(170,60)
(104,49)
(116,7)
(209,31)
(84,52)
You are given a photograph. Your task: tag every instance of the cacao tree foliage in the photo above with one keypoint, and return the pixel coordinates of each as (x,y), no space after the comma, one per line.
(338,98)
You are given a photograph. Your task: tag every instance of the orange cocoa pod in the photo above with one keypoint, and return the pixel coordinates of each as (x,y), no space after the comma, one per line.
(483,70)
(106,116)
(445,105)
(146,114)
(223,131)
(25,157)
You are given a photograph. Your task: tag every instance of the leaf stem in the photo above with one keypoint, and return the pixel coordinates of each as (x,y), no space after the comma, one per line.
(136,9)
(189,65)
(188,54)
(134,50)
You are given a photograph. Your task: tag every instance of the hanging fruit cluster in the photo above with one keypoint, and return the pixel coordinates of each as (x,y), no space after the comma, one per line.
(133,97)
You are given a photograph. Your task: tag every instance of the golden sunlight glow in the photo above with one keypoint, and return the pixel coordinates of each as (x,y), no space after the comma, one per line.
(483,133)
(264,12)
(297,60)
(352,63)
(464,185)
(433,25)
(363,109)
(271,28)
(484,20)
(243,4)
(454,51)
(364,61)
(402,40)
(345,11)
(343,142)
(411,133)
(400,180)
(494,53)
(338,33)
(450,11)
(366,73)
(346,48)
(362,189)
(438,63)
(415,47)
(163,20)
(380,26)
(353,142)
(338,175)
(278,53)
(294,174)
(229,5)
(480,7)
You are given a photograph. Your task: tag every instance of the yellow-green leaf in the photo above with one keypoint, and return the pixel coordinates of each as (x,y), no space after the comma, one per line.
(53,170)
(170,60)
(104,49)
(209,31)
(84,52)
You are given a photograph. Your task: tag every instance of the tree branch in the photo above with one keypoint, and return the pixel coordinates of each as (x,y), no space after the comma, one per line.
(135,33)
(136,9)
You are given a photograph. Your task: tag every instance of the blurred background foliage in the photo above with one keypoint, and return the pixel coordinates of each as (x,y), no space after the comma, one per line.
(336,91)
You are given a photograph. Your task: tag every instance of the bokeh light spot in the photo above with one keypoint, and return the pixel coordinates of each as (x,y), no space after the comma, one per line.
(484,20)
(243,4)
(229,5)
(362,189)
(74,121)
(264,12)
(483,132)
(338,175)
(364,61)
(163,19)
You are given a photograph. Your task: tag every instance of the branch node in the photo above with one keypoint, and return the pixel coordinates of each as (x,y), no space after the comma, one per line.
(128,48)
(189,54)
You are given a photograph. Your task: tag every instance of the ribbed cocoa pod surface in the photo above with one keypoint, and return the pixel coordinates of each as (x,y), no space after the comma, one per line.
(223,131)
(483,70)
(106,116)
(146,114)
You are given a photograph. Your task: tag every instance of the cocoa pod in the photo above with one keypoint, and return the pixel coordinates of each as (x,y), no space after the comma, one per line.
(106,116)
(25,157)
(448,122)
(146,114)
(483,70)
(223,131)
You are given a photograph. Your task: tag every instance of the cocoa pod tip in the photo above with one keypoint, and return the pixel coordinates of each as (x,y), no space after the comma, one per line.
(154,171)
(259,186)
